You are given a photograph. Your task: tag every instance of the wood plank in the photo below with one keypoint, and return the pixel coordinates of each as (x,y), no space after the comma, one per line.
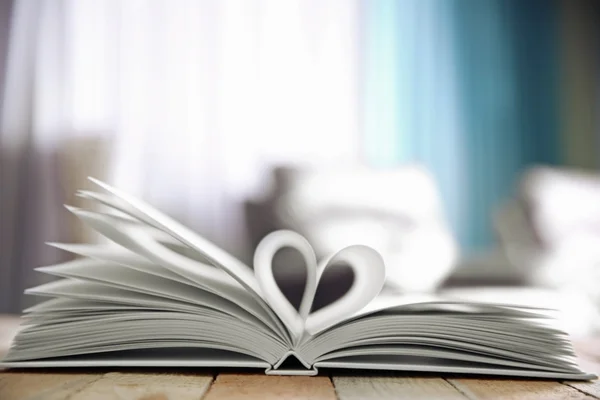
(146,386)
(593,387)
(391,387)
(255,386)
(516,389)
(47,386)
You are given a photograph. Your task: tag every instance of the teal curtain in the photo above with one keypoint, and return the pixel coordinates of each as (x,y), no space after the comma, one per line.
(467,88)
(411,93)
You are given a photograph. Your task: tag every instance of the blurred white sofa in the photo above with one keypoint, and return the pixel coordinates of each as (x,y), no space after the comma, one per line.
(550,232)
(396,211)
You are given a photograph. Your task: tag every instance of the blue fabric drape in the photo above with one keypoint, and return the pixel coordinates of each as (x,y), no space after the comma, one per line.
(412,108)
(469,89)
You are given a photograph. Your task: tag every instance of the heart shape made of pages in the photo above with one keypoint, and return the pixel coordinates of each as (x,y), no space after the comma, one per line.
(366,264)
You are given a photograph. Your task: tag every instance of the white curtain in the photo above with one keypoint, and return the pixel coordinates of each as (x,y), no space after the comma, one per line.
(189,101)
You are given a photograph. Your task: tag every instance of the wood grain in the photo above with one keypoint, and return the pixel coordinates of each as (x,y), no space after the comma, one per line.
(591,388)
(253,386)
(389,387)
(516,389)
(588,365)
(42,386)
(146,386)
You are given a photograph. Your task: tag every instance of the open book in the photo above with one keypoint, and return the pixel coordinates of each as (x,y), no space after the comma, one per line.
(156,294)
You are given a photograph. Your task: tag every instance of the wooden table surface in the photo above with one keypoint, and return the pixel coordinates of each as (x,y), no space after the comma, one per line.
(127,384)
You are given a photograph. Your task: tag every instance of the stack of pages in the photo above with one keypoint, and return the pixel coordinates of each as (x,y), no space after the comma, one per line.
(157,294)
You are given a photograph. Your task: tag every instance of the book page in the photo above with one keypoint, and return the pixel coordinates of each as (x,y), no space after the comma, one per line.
(145,244)
(428,327)
(117,318)
(137,281)
(143,212)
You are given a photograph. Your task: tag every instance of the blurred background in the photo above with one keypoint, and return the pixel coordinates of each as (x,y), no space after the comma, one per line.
(460,138)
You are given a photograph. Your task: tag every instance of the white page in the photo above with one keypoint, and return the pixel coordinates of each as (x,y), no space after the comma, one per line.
(143,240)
(79,290)
(114,330)
(143,212)
(443,367)
(231,360)
(510,329)
(390,300)
(164,358)
(122,202)
(85,290)
(63,305)
(113,253)
(448,354)
(455,327)
(39,357)
(438,340)
(134,280)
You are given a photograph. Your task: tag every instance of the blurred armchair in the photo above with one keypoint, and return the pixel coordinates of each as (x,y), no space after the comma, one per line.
(396,211)
(551,233)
